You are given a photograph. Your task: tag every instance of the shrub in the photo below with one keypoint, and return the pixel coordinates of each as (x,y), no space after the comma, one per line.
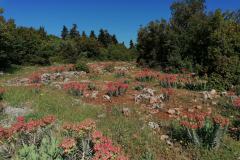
(1,93)
(56,59)
(81,66)
(109,67)
(93,75)
(202,132)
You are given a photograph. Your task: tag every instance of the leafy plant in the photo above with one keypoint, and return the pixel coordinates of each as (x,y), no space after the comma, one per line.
(109,67)
(75,89)
(119,73)
(81,66)
(167,93)
(92,87)
(139,85)
(115,89)
(202,132)
(36,78)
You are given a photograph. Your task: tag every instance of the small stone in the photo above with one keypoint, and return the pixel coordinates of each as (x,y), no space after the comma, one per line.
(101,115)
(170,116)
(190,110)
(214,103)
(216,96)
(199,107)
(164,137)
(171,111)
(213,91)
(153,125)
(126,111)
(66,80)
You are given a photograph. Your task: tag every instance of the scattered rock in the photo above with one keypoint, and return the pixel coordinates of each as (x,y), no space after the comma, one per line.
(94,94)
(126,111)
(101,115)
(223,94)
(171,111)
(58,86)
(164,137)
(107,98)
(198,107)
(213,91)
(66,80)
(214,103)
(216,96)
(190,110)
(76,101)
(153,125)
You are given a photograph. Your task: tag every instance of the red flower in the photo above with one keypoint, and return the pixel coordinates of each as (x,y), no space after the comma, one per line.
(108,89)
(1,105)
(2,90)
(205,74)
(126,86)
(115,89)
(183,69)
(231,93)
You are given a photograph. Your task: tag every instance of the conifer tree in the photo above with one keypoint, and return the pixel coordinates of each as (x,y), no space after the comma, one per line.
(101,37)
(92,35)
(74,32)
(84,34)
(114,39)
(131,45)
(64,32)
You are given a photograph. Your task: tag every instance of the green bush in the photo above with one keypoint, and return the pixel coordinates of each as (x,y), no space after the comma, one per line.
(81,66)
(110,68)
(56,59)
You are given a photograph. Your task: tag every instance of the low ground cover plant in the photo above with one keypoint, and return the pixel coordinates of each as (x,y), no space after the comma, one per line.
(93,75)
(110,66)
(92,86)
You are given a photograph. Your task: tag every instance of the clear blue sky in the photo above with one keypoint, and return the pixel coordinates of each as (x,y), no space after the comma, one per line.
(119,17)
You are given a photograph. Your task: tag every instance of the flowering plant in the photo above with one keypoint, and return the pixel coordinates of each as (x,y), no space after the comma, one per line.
(36,88)
(1,93)
(93,75)
(167,93)
(139,85)
(92,86)
(146,76)
(36,78)
(201,131)
(115,89)
(75,89)
(181,81)
(119,73)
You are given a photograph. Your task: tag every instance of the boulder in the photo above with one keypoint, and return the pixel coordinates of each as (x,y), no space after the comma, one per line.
(107,98)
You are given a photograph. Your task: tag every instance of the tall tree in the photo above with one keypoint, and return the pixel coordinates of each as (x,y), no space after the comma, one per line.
(64,32)
(84,34)
(107,38)
(101,37)
(73,32)
(114,39)
(92,35)
(131,45)
(41,31)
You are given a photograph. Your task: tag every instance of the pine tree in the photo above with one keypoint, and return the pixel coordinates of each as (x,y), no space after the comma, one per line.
(131,45)
(101,37)
(92,35)
(74,32)
(107,38)
(114,39)
(64,32)
(84,34)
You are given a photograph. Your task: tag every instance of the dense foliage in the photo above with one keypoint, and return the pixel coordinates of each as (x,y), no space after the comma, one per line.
(194,40)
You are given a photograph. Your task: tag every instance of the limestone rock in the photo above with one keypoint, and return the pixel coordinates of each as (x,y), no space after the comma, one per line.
(171,111)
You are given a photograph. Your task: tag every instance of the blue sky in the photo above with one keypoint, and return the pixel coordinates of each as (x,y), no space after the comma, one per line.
(119,17)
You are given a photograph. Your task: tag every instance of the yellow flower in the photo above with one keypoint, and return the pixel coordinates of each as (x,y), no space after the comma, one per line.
(41,94)
(180,102)
(211,98)
(231,116)
(2,85)
(167,149)
(10,85)
(103,104)
(180,141)
(80,103)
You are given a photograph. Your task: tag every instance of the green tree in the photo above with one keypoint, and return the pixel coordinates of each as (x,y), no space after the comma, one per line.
(101,38)
(64,32)
(114,39)
(73,32)
(92,35)
(84,34)
(131,45)
(107,38)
